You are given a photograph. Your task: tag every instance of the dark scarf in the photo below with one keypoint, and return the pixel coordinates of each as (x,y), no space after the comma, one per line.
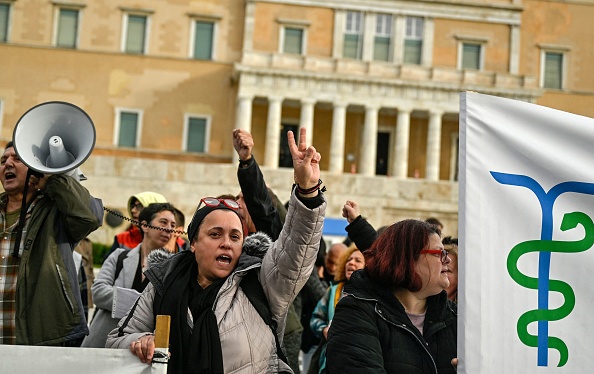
(197,350)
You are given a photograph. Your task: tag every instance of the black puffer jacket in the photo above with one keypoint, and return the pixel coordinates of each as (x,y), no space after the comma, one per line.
(371,333)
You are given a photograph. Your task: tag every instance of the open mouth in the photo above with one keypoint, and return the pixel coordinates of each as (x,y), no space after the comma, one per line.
(224,259)
(9,176)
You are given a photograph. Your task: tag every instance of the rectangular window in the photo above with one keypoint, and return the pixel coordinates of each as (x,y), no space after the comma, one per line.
(293,40)
(413,40)
(353,38)
(197,135)
(553,70)
(383,34)
(128,129)
(4,17)
(471,56)
(136,34)
(203,40)
(67,28)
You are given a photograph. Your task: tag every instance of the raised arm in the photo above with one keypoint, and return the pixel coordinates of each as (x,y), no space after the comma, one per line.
(359,229)
(306,164)
(81,212)
(289,262)
(255,193)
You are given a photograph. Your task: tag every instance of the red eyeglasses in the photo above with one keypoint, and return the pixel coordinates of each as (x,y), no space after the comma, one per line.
(213,202)
(443,254)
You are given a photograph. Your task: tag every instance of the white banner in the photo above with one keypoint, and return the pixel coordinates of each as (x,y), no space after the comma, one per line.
(526,303)
(19,359)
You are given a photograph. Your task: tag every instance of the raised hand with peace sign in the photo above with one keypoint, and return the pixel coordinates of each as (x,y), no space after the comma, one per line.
(306,165)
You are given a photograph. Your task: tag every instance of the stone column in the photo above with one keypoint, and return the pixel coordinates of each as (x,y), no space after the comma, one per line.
(337,141)
(398,39)
(433,145)
(338,39)
(248,28)
(368,150)
(243,116)
(427,49)
(306,119)
(368,36)
(514,49)
(273,127)
(400,164)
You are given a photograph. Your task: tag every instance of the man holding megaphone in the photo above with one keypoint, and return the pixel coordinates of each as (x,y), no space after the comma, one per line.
(42,217)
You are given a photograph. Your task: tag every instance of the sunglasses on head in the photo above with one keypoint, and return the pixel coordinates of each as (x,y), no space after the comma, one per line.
(213,202)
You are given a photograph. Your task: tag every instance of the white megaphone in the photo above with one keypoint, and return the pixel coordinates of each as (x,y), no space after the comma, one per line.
(54,138)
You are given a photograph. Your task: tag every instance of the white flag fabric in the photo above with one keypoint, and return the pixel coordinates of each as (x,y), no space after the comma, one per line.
(21,359)
(526,264)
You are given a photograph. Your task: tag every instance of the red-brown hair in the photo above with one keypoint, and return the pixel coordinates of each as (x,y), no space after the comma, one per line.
(391,260)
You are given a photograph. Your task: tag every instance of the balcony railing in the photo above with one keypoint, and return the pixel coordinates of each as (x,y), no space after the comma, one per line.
(370,70)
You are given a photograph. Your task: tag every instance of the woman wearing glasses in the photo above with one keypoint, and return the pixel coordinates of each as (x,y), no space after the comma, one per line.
(396,317)
(123,270)
(216,324)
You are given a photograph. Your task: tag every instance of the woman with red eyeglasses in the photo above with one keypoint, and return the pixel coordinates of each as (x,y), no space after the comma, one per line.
(210,292)
(396,317)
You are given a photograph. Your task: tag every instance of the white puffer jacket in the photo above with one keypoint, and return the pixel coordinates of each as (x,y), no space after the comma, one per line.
(247,343)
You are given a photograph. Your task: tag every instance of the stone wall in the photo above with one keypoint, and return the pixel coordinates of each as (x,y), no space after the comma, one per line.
(383,200)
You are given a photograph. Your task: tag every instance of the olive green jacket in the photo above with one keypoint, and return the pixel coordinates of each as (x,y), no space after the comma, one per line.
(49,309)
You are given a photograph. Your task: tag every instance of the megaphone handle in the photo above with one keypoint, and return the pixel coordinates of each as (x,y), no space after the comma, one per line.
(23,215)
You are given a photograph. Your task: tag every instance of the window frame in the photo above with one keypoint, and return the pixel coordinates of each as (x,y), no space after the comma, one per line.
(117,126)
(359,33)
(558,50)
(147,27)
(388,19)
(57,12)
(481,42)
(194,18)
(284,25)
(413,36)
(9,4)
(207,131)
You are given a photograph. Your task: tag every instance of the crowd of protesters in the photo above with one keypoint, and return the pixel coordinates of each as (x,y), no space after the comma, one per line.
(252,289)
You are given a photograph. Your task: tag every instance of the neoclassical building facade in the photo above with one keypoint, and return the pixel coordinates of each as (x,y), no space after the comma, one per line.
(376,83)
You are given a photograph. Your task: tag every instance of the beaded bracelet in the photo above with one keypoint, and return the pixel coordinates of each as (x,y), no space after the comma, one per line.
(312,189)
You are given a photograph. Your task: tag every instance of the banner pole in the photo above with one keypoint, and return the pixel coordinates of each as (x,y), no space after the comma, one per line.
(161,355)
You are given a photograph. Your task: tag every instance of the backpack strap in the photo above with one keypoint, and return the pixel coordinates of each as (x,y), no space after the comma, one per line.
(120,263)
(255,293)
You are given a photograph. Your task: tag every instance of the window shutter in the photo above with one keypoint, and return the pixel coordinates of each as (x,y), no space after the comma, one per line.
(293,41)
(136,34)
(4,11)
(553,70)
(128,128)
(203,40)
(67,27)
(196,135)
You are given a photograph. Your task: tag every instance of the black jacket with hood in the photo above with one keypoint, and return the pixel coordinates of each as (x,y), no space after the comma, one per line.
(371,333)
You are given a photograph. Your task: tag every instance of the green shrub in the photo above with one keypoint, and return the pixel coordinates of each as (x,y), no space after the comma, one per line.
(99,252)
